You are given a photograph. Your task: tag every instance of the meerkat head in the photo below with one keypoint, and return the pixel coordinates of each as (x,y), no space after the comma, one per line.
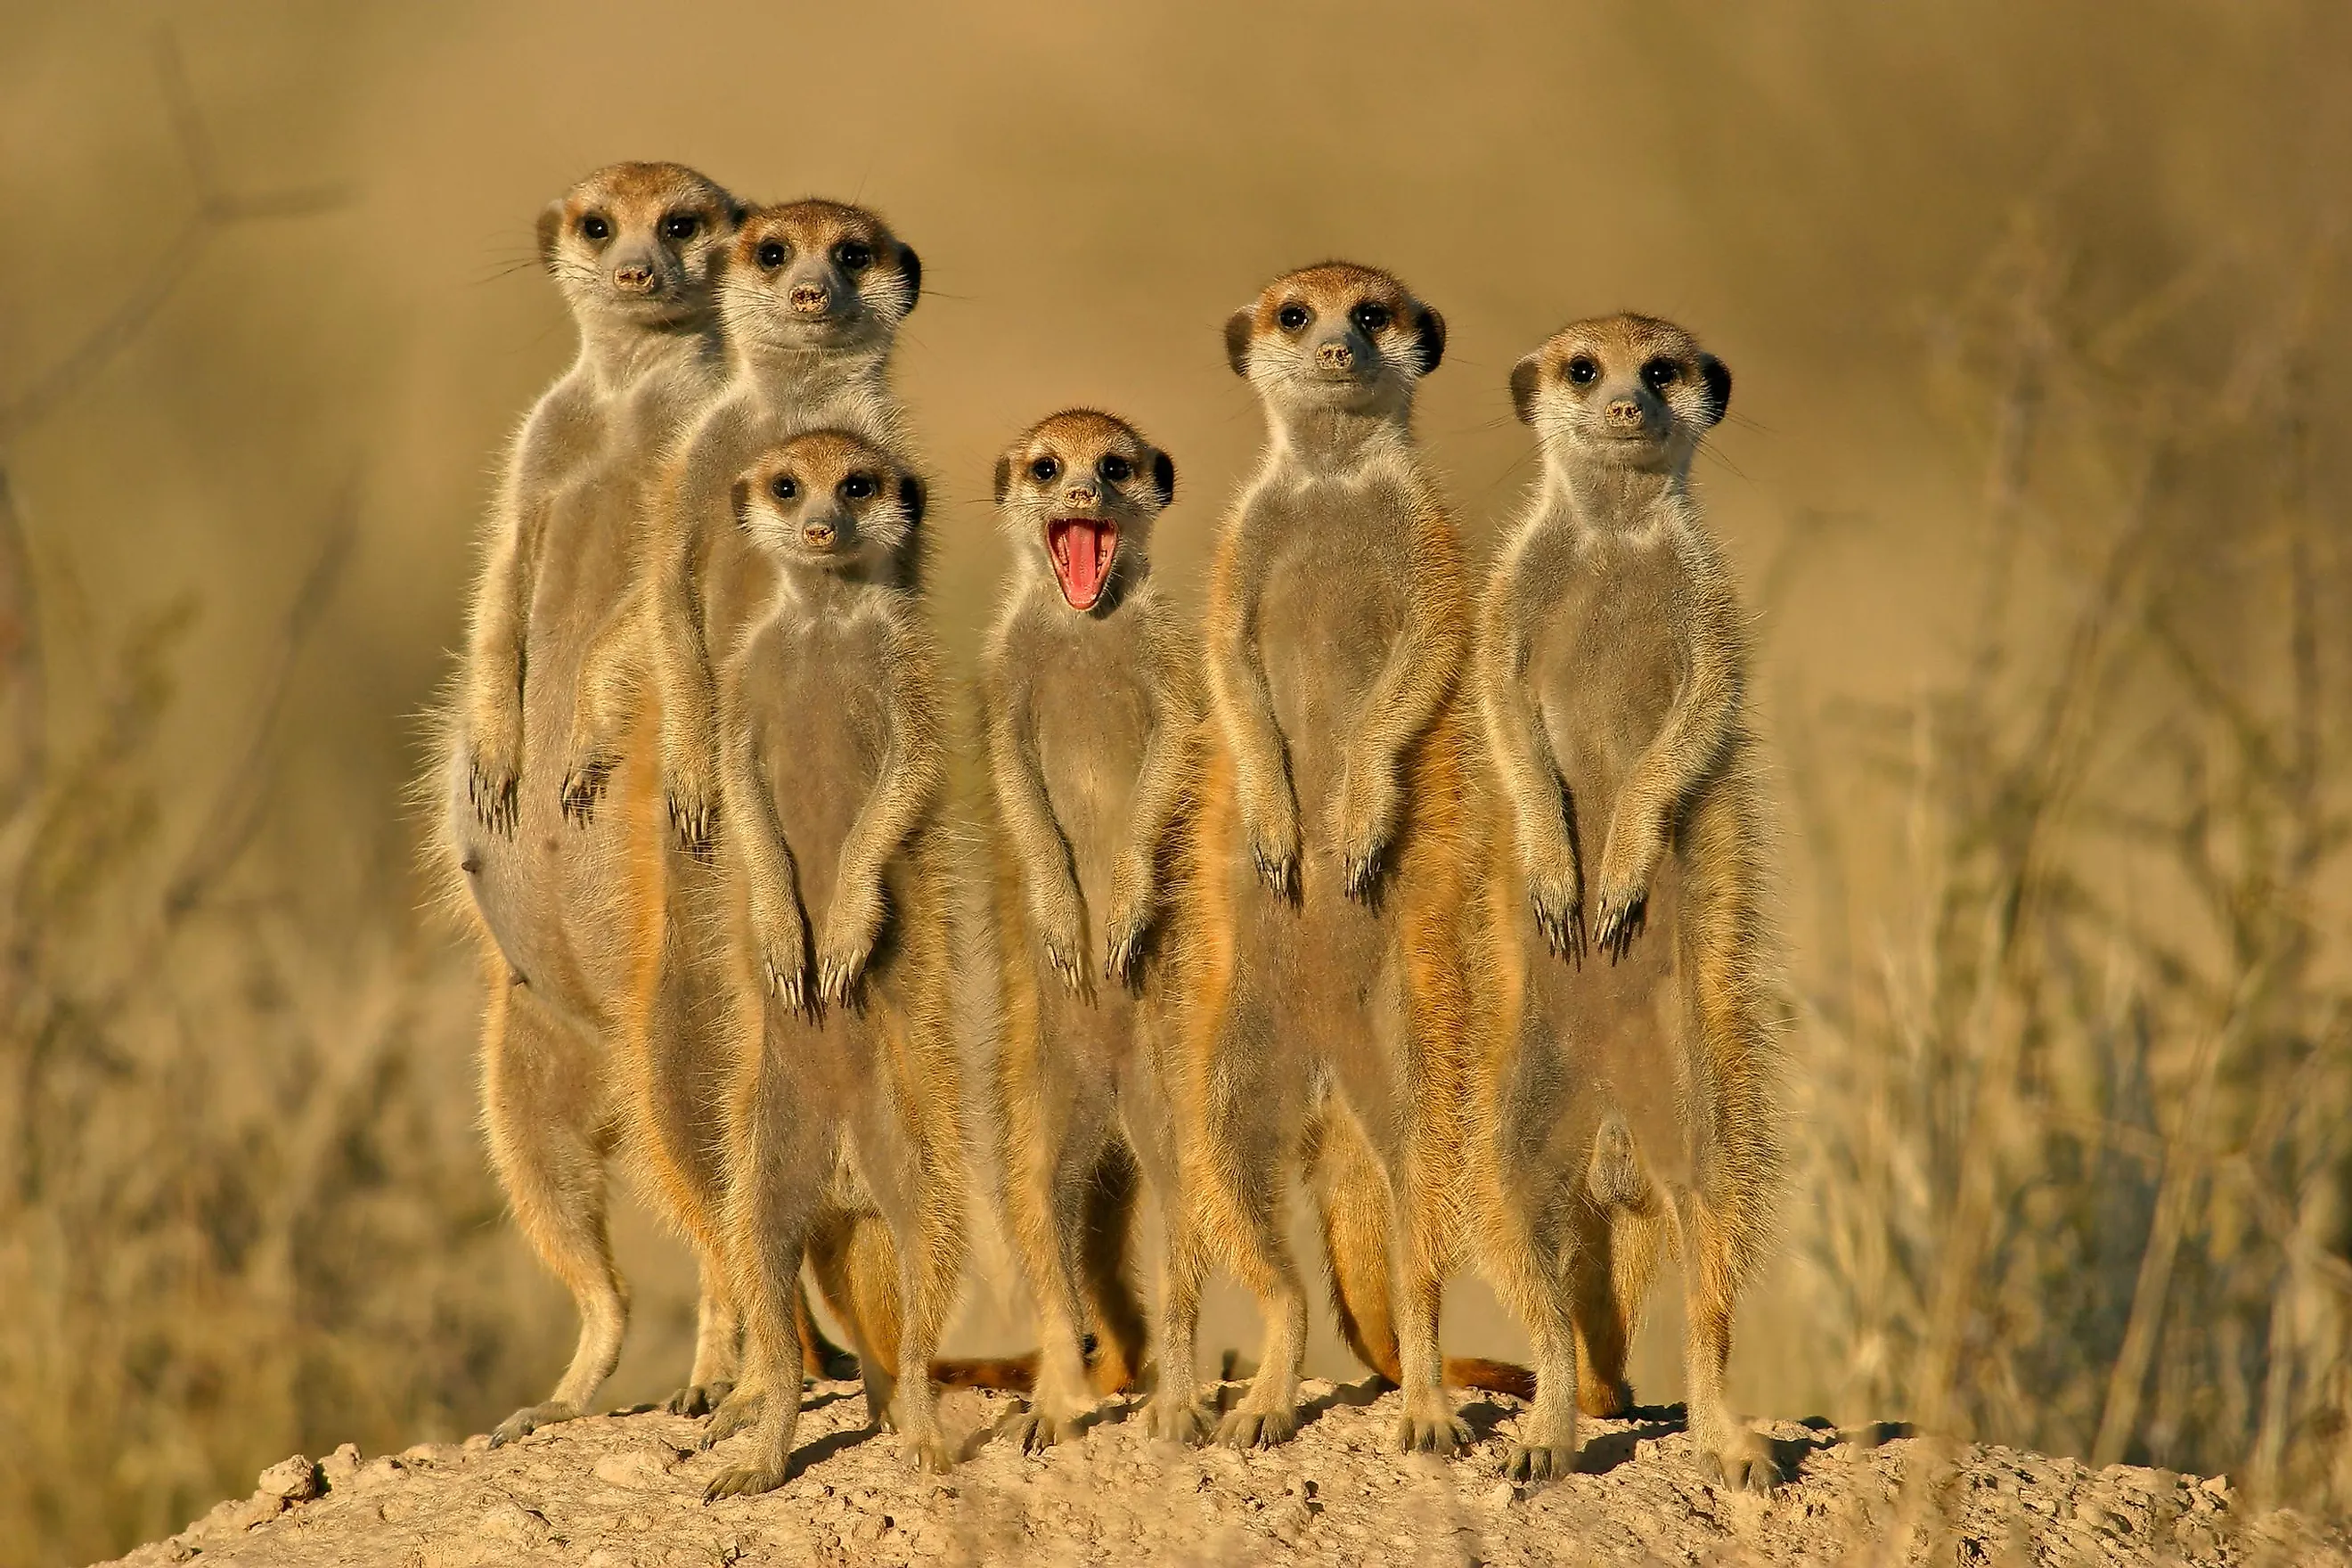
(832,501)
(638,243)
(1337,337)
(1077,493)
(818,276)
(1627,392)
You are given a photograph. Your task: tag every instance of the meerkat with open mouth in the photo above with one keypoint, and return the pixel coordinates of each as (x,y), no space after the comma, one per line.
(1092,710)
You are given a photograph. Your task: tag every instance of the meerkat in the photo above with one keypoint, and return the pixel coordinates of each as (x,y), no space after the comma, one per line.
(1092,709)
(566,917)
(845,1121)
(1331,855)
(1632,1090)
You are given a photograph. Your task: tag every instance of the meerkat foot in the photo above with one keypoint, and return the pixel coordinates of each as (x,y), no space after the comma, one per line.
(1532,1459)
(1431,1427)
(530,1419)
(1742,1462)
(1245,1428)
(1177,1419)
(735,1411)
(927,1449)
(1036,1429)
(745,1480)
(698,1398)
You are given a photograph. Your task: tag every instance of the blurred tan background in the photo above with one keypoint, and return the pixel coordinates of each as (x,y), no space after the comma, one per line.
(2033,480)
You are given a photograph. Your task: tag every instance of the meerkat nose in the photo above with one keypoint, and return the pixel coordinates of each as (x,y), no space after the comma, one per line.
(1624,414)
(809,299)
(636,277)
(1080,496)
(1335,356)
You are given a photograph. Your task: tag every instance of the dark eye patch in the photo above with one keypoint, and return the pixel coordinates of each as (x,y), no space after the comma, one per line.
(1045,470)
(595,226)
(1661,373)
(1114,468)
(858,487)
(783,488)
(1584,370)
(771,254)
(1291,317)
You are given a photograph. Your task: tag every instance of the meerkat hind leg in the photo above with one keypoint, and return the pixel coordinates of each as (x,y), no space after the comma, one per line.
(1730,1452)
(717,1348)
(544,1107)
(1052,1201)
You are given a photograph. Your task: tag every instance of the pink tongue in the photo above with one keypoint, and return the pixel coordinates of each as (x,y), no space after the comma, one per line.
(1084,565)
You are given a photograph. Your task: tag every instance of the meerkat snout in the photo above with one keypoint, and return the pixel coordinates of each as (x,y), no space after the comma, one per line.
(810,299)
(634,278)
(1625,413)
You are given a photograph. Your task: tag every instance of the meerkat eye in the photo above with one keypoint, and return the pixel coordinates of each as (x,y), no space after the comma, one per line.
(855,255)
(594,226)
(1372,316)
(783,487)
(1291,317)
(680,226)
(1114,468)
(858,487)
(771,253)
(1582,369)
(1661,373)
(1044,470)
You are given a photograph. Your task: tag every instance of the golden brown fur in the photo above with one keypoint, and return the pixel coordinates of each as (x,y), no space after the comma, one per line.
(1333,855)
(844,1124)
(1092,710)
(570,917)
(1631,1089)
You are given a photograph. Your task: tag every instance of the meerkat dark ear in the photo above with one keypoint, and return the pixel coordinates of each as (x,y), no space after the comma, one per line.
(912,497)
(1004,477)
(1429,336)
(911,266)
(1239,328)
(1717,376)
(1163,474)
(740,503)
(550,230)
(1525,377)
(735,213)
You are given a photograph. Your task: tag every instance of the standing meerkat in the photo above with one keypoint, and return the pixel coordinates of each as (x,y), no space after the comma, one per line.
(567,916)
(1331,853)
(845,1121)
(1092,710)
(1632,1090)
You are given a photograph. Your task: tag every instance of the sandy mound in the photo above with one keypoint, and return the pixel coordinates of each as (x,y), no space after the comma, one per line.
(627,1490)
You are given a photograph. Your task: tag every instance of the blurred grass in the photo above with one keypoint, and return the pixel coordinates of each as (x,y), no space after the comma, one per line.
(2030,474)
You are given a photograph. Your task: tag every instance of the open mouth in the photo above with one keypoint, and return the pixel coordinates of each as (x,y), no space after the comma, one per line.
(1082,548)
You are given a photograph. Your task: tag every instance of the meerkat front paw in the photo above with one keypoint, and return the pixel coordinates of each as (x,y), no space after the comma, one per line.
(1556,894)
(842,955)
(1129,923)
(494,765)
(692,791)
(1272,829)
(783,943)
(1622,907)
(1058,934)
(1366,821)
(584,782)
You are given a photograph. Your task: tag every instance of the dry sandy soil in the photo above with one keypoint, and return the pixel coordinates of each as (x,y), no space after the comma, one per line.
(627,1490)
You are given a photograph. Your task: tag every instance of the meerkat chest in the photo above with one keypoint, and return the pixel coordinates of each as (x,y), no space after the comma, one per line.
(814,697)
(1610,656)
(1331,600)
(1090,714)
